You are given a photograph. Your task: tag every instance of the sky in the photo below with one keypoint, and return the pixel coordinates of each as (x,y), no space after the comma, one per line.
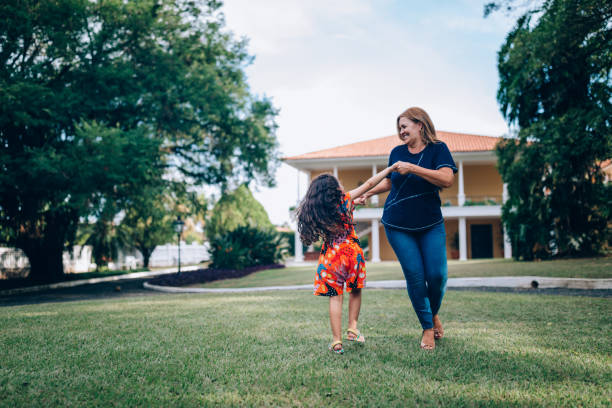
(341,71)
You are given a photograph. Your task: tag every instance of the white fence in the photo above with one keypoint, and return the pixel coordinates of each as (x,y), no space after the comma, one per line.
(14,263)
(166,255)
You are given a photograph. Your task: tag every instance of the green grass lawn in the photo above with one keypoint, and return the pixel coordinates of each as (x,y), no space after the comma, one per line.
(270,349)
(301,275)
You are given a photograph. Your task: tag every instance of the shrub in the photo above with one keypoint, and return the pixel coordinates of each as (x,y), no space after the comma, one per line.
(246,246)
(234,209)
(289,237)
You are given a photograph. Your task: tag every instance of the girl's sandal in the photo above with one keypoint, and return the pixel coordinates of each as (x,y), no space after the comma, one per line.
(427,346)
(358,337)
(332,347)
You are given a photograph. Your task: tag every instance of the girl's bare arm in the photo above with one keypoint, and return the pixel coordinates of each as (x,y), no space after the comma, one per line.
(382,187)
(372,182)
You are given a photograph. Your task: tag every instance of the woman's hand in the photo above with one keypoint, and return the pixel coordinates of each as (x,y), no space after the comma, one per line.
(443,177)
(362,199)
(404,168)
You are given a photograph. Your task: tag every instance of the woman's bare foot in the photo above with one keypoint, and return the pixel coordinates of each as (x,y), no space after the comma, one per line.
(427,341)
(438,329)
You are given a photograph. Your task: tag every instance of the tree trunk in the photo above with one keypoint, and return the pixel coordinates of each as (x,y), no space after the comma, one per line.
(146,254)
(46,264)
(146,257)
(44,246)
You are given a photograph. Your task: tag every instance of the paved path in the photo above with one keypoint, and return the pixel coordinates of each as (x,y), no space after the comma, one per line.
(127,285)
(518,282)
(135,285)
(104,290)
(81,282)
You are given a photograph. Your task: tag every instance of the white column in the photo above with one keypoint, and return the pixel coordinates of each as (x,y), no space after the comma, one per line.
(336,171)
(308,177)
(507,243)
(299,254)
(375,244)
(461,193)
(374,197)
(462,240)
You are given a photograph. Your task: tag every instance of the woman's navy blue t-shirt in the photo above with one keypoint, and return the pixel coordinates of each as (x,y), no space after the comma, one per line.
(414,203)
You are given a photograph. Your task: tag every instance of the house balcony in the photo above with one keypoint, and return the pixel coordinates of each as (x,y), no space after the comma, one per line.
(475,210)
(473,207)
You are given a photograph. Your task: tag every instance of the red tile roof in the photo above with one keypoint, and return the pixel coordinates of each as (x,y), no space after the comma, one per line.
(456,142)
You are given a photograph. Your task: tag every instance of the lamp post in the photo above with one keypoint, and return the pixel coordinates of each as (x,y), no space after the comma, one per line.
(178,227)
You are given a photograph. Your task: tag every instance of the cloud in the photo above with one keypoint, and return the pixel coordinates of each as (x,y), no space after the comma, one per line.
(341,71)
(273,25)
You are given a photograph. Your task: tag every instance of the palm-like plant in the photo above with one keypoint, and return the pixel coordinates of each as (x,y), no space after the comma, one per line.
(104,236)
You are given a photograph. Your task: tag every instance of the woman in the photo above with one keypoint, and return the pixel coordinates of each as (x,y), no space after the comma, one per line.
(412,217)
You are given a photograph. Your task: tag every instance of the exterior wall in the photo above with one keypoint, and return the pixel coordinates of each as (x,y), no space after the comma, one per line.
(386,252)
(448,196)
(317,173)
(452,228)
(482,181)
(353,178)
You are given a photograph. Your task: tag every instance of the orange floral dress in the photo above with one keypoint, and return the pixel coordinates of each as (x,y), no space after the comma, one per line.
(342,260)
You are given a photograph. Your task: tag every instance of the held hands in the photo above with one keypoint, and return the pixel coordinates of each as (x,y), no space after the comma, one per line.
(362,200)
(373,183)
(404,168)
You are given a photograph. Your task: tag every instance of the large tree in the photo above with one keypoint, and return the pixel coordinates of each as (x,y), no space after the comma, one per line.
(99,98)
(555,89)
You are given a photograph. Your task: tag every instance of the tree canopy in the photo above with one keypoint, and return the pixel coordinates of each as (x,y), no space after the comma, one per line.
(555,89)
(99,99)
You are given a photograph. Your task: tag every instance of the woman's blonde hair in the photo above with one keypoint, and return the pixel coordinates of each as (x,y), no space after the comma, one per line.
(418,115)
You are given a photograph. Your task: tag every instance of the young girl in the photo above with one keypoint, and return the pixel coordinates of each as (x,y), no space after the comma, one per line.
(327,212)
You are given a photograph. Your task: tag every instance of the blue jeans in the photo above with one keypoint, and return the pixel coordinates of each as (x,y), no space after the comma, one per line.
(422,255)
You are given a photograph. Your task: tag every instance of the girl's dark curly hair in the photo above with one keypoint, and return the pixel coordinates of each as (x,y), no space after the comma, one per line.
(319,214)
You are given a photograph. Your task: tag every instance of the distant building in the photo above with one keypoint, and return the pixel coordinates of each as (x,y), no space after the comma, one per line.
(471,207)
